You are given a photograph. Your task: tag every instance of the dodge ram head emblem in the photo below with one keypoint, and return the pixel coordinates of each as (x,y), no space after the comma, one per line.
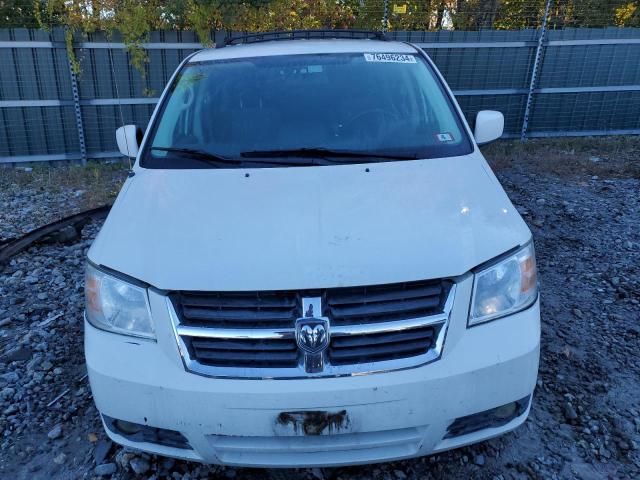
(312,334)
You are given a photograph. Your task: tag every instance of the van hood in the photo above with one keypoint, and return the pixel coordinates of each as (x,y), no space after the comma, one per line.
(308,227)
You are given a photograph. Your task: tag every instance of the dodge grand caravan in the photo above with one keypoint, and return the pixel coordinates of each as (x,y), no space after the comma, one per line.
(310,264)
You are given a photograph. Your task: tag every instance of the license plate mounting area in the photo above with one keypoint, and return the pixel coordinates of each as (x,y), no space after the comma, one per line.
(313,422)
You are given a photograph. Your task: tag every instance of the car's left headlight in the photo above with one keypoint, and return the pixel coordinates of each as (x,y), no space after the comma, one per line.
(115,305)
(506,287)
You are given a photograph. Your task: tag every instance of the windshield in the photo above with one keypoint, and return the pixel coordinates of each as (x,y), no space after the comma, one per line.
(289,110)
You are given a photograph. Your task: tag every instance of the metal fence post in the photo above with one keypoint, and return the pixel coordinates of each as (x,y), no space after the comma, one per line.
(385,17)
(535,71)
(78,111)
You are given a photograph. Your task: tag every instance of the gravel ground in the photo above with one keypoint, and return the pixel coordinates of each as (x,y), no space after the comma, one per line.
(32,197)
(582,203)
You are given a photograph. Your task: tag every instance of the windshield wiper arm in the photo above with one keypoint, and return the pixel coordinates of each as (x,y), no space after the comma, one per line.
(196,154)
(323,153)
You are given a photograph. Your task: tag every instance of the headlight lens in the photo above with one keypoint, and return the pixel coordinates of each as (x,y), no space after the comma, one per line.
(506,287)
(117,306)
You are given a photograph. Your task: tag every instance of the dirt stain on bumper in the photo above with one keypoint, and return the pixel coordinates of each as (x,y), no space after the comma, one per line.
(314,422)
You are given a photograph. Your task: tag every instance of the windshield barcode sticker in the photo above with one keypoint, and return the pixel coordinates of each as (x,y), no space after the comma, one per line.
(389,58)
(444,137)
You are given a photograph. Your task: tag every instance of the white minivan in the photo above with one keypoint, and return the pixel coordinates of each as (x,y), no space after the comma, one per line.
(310,264)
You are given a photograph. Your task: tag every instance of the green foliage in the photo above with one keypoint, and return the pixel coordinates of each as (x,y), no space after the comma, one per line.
(135,19)
(628,15)
(18,13)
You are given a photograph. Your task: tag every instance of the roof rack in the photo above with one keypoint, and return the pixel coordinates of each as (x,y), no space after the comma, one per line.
(303,34)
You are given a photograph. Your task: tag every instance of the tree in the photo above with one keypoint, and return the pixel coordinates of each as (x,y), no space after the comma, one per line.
(18,13)
(628,14)
(135,19)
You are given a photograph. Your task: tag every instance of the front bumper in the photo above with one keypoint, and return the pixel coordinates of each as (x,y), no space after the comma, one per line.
(392,415)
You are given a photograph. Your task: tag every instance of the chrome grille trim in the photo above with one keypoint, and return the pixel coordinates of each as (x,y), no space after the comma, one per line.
(387,327)
(245,333)
(440,322)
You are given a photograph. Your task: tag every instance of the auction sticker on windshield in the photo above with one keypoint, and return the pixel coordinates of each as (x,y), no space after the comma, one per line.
(389,58)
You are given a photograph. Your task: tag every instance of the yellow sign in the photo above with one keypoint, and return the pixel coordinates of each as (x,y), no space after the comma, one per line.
(400,9)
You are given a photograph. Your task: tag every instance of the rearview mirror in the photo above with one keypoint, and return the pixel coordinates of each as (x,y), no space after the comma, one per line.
(489,126)
(128,138)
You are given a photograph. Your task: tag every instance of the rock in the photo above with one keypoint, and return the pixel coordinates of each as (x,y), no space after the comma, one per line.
(101,450)
(60,458)
(139,465)
(55,432)
(10,377)
(67,234)
(603,452)
(7,392)
(46,365)
(479,460)
(17,355)
(123,457)
(569,412)
(399,474)
(624,445)
(105,469)
(168,463)
(18,274)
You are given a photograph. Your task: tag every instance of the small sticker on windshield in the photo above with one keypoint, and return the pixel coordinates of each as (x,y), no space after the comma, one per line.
(389,58)
(444,137)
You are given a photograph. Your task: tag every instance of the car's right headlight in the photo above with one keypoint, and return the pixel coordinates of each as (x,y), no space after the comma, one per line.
(506,287)
(115,305)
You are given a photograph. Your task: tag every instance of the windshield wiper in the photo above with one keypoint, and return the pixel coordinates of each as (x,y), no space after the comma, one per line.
(320,152)
(201,155)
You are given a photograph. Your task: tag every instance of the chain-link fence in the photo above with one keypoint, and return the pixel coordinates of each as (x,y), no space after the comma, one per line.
(520,57)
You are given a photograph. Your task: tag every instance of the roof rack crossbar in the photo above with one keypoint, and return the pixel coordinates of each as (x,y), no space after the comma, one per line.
(303,34)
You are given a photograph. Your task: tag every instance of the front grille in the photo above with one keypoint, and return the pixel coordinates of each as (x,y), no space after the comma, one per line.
(384,303)
(252,334)
(378,347)
(245,352)
(238,310)
(248,311)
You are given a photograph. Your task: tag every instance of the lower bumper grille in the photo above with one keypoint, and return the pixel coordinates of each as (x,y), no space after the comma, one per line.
(136,432)
(256,334)
(346,448)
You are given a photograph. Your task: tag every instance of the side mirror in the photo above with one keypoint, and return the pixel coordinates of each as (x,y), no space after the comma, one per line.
(128,138)
(489,126)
